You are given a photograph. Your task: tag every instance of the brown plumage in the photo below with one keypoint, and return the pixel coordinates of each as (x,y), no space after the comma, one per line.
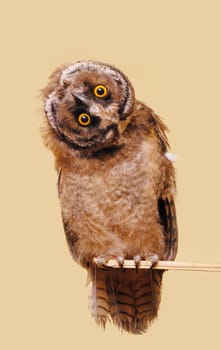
(116,187)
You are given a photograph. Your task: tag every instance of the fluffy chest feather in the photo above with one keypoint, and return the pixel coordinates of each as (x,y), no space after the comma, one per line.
(118,193)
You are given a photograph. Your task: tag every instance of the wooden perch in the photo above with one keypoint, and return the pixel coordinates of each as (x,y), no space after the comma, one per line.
(161,265)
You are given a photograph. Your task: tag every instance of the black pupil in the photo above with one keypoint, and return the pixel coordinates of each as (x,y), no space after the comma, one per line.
(84,118)
(100,91)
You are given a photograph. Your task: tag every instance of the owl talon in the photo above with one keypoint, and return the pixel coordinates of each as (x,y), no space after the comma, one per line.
(137,260)
(154,259)
(120,260)
(101,261)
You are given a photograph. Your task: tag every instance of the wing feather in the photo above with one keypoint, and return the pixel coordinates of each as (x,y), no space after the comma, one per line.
(167,214)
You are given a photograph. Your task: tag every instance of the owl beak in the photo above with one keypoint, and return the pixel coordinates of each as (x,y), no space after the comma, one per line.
(109,135)
(79,98)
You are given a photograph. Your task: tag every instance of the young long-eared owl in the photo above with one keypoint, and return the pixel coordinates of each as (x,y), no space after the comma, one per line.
(116,185)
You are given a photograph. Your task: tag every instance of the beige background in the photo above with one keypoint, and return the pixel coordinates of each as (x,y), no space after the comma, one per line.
(171,52)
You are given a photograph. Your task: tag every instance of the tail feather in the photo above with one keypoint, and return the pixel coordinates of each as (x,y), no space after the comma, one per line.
(129,298)
(123,309)
(148,295)
(99,299)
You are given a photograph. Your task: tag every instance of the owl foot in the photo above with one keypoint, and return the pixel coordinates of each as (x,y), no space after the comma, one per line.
(152,258)
(120,260)
(101,261)
(137,260)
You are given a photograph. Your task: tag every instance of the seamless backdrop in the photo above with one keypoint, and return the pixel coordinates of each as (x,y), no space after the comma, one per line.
(171,52)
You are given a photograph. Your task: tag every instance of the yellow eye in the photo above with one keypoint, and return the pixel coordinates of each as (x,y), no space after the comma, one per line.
(100,91)
(84,119)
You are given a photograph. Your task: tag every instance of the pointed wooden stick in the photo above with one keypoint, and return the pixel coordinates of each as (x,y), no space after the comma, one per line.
(161,265)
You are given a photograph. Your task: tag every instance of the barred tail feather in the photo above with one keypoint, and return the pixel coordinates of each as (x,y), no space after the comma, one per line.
(147,298)
(130,298)
(98,298)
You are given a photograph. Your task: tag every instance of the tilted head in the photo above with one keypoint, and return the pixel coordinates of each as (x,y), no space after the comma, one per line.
(90,104)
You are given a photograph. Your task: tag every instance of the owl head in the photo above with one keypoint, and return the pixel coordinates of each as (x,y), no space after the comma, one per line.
(89,104)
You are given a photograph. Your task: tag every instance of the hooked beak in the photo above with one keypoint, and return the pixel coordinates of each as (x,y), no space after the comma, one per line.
(79,98)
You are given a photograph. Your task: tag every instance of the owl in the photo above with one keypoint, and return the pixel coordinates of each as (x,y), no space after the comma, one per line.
(116,185)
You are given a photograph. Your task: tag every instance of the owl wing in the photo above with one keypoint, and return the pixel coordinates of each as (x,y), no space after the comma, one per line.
(159,128)
(166,206)
(70,235)
(167,214)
